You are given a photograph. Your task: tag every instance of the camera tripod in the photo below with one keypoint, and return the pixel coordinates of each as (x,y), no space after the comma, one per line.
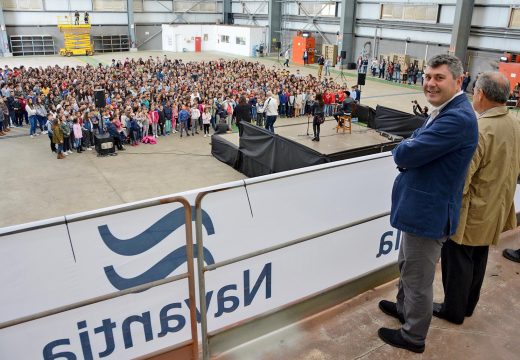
(341,75)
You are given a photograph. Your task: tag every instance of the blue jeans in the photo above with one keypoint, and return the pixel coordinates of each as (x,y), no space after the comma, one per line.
(328,109)
(41,122)
(269,123)
(32,122)
(253,112)
(282,109)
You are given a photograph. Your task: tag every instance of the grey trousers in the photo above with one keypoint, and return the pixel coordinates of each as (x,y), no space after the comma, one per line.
(417,259)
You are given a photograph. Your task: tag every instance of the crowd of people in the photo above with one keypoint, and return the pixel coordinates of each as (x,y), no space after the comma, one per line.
(148,98)
(397,72)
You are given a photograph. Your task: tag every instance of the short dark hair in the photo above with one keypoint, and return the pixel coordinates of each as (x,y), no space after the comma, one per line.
(494,85)
(453,62)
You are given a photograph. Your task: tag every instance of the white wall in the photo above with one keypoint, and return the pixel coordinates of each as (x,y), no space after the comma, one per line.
(178,37)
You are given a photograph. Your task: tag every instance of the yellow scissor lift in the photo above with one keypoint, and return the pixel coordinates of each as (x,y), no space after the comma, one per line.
(77,37)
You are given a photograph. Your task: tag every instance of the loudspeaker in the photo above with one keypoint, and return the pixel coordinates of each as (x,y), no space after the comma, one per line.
(361,78)
(343,54)
(351,66)
(99,98)
(278,45)
(104,144)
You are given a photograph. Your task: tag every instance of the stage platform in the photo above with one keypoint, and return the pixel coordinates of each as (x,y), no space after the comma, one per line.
(259,152)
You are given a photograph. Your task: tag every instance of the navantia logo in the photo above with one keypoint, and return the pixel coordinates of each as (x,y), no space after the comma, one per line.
(148,239)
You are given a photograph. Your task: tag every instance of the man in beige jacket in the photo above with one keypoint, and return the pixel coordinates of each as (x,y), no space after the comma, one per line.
(487,204)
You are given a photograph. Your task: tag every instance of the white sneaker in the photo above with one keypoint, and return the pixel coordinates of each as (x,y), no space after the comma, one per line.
(32,136)
(89,148)
(37,134)
(66,153)
(70,151)
(45,132)
(205,135)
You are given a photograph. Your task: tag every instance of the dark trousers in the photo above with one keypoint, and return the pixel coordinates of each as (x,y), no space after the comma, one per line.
(117,142)
(66,143)
(53,147)
(463,270)
(161,128)
(316,129)
(19,118)
(87,138)
(269,123)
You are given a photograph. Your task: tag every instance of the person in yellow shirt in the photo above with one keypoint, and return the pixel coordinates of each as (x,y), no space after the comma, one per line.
(45,90)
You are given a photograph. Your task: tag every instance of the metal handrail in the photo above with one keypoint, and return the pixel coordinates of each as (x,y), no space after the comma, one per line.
(202,268)
(91,301)
(190,275)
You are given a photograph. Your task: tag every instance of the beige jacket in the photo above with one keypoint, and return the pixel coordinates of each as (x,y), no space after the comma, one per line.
(487,202)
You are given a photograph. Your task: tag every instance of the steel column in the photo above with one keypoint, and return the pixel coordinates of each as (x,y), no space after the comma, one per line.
(461,29)
(275,24)
(346,29)
(3,33)
(131,24)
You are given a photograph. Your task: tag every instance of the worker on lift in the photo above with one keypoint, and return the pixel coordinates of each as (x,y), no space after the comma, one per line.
(86,18)
(76,17)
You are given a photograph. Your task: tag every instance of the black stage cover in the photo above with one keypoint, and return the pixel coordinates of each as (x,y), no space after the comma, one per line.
(396,122)
(224,150)
(262,152)
(365,114)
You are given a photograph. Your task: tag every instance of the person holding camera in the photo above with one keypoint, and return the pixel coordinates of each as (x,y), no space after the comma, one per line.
(418,110)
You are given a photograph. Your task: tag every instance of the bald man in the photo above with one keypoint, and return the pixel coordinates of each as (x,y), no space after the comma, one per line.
(487,203)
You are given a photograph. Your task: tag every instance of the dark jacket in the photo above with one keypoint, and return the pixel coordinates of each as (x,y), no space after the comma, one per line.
(162,119)
(168,112)
(427,194)
(112,130)
(242,112)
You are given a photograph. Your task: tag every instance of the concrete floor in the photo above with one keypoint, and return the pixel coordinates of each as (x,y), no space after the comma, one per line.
(349,330)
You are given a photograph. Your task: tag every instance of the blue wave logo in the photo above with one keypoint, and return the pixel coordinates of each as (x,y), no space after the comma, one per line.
(147,240)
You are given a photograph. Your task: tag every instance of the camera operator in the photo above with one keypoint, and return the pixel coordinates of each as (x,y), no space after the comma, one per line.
(418,110)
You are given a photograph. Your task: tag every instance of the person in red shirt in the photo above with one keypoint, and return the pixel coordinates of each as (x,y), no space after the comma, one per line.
(341,96)
(328,99)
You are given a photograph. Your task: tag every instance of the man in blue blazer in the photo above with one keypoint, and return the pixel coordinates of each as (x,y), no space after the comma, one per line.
(426,197)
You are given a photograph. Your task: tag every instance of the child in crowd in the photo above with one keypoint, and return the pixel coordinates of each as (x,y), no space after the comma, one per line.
(87,128)
(57,137)
(78,135)
(206,120)
(153,118)
(66,130)
(184,117)
(175,116)
(133,129)
(48,127)
(195,115)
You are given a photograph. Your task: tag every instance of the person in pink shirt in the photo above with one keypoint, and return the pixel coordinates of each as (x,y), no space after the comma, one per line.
(153,118)
(78,135)
(175,116)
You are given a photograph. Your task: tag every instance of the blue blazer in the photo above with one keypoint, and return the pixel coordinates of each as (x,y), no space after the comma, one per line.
(427,194)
